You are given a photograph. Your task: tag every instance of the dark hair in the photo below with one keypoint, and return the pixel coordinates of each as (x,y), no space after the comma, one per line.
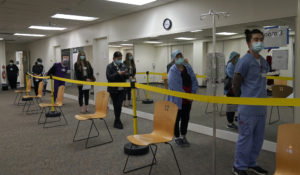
(117,54)
(249,34)
(129,62)
(11,61)
(85,62)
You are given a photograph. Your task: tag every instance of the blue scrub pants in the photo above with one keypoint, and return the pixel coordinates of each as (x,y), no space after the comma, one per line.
(250,140)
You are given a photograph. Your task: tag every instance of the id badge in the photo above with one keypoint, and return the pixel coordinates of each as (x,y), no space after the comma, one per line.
(11,69)
(63,69)
(120,88)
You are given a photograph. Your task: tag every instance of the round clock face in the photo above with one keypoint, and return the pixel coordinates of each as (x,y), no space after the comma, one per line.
(167,24)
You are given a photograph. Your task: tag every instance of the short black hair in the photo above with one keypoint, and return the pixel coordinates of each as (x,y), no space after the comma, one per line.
(11,61)
(117,54)
(39,60)
(249,34)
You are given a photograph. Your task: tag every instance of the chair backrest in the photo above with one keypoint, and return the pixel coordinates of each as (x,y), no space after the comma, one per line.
(281,91)
(280,82)
(288,149)
(60,95)
(102,99)
(40,89)
(28,85)
(165,114)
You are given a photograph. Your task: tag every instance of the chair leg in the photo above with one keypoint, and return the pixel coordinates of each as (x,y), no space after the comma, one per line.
(15,101)
(24,106)
(62,114)
(174,157)
(39,121)
(145,166)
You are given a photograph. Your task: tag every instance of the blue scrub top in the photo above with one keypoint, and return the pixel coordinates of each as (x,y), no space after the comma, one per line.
(253,84)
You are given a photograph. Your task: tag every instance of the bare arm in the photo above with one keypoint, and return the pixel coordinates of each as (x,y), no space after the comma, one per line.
(236,84)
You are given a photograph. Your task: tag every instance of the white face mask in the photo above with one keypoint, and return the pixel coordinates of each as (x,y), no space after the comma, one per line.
(11,63)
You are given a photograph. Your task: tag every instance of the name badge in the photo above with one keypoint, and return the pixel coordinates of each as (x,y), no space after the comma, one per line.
(63,69)
(120,88)
(11,69)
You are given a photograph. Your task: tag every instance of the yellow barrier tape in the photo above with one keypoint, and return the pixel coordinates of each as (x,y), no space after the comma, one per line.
(279,78)
(141,73)
(92,83)
(201,76)
(225,100)
(39,77)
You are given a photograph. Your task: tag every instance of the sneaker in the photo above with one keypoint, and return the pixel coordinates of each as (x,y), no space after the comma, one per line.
(232,126)
(258,170)
(179,141)
(236,171)
(118,125)
(185,142)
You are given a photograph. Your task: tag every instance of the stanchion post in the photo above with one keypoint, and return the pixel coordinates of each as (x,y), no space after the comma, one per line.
(147,101)
(52,93)
(135,127)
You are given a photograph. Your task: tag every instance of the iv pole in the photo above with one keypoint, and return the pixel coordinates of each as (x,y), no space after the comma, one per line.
(214,78)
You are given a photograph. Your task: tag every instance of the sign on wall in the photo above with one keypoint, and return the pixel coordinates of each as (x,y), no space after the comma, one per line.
(280,59)
(276,36)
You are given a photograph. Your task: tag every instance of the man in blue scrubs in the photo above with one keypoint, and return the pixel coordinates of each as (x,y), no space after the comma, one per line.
(250,81)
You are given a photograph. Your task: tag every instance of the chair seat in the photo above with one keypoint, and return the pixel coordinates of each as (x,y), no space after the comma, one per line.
(43,105)
(147,139)
(20,91)
(31,96)
(90,116)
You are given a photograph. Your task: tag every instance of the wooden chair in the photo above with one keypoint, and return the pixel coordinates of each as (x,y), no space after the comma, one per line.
(280,82)
(165,114)
(57,107)
(288,150)
(20,92)
(101,107)
(279,91)
(33,99)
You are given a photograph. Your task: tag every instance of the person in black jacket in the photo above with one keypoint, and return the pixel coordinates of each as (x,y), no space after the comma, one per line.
(130,65)
(12,74)
(83,72)
(37,70)
(117,72)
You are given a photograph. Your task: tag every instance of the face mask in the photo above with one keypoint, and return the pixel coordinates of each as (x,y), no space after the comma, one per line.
(65,63)
(131,57)
(82,57)
(180,61)
(257,46)
(118,61)
(11,63)
(40,63)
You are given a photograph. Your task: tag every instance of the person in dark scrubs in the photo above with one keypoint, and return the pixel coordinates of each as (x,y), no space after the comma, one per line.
(59,70)
(37,70)
(12,74)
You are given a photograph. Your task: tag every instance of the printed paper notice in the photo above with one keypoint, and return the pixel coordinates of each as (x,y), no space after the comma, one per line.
(280,59)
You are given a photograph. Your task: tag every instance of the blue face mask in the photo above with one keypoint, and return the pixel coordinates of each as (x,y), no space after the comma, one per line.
(40,63)
(257,46)
(82,57)
(118,61)
(131,57)
(179,61)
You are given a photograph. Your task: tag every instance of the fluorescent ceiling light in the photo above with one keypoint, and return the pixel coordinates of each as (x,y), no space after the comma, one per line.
(153,42)
(133,2)
(194,31)
(127,44)
(46,28)
(226,33)
(114,46)
(185,38)
(74,17)
(1,39)
(33,35)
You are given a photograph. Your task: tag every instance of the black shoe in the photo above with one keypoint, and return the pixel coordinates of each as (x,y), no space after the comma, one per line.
(118,125)
(258,170)
(178,141)
(232,126)
(185,142)
(236,171)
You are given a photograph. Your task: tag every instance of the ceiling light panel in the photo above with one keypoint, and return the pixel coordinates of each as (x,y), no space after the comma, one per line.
(127,44)
(153,42)
(185,38)
(74,17)
(194,31)
(47,28)
(26,34)
(133,2)
(226,33)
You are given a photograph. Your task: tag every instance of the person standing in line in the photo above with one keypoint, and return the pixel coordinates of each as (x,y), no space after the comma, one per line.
(130,65)
(83,72)
(117,72)
(230,109)
(182,78)
(250,81)
(59,70)
(12,71)
(37,70)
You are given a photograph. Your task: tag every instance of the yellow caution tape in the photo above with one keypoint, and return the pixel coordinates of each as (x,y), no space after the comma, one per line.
(39,77)
(279,78)
(92,83)
(225,100)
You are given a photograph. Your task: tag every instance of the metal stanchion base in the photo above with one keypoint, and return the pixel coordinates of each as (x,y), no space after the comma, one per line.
(147,101)
(53,114)
(135,149)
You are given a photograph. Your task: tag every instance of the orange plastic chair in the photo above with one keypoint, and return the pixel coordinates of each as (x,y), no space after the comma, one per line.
(288,150)
(279,91)
(57,107)
(21,92)
(33,99)
(165,114)
(101,107)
